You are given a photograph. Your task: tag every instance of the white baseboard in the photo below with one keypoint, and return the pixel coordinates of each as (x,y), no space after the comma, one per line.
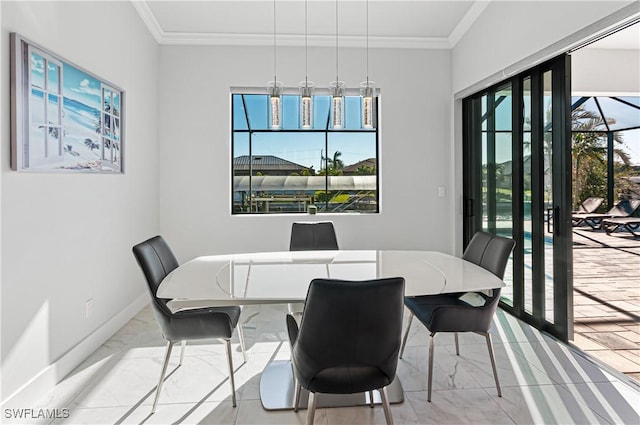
(31,392)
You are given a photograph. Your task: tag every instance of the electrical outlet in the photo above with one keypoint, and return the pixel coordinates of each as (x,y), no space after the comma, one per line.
(442,192)
(88,308)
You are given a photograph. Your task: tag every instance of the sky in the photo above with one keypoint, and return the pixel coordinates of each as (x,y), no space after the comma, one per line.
(302,147)
(306,148)
(77,85)
(82,87)
(625,116)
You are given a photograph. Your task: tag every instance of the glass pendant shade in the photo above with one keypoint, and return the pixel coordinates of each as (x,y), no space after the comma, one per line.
(367,93)
(337,104)
(306,104)
(274,89)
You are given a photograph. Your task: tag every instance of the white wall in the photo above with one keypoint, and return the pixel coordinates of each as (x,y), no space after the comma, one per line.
(605,71)
(68,237)
(509,31)
(195,159)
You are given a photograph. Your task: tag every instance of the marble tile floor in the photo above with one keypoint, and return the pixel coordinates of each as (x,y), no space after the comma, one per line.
(543,381)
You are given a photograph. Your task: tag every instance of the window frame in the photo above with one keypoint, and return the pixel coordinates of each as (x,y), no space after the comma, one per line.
(246,128)
(47,125)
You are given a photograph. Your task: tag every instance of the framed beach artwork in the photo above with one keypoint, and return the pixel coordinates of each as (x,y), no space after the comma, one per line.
(63,118)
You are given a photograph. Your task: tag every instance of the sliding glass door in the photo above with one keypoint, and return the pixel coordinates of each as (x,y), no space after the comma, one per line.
(517,176)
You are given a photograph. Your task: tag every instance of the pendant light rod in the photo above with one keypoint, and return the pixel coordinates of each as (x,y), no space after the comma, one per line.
(306,44)
(367,31)
(274,41)
(337,40)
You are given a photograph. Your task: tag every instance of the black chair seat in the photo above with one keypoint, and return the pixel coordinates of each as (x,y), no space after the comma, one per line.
(348,380)
(202,323)
(429,309)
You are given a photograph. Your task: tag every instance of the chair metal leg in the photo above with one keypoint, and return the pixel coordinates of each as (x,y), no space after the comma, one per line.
(493,363)
(311,408)
(167,356)
(385,405)
(227,342)
(371,399)
(241,338)
(184,345)
(457,345)
(296,397)
(430,372)
(406,334)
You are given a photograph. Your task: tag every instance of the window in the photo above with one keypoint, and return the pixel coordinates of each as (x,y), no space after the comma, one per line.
(45,130)
(290,169)
(109,126)
(63,117)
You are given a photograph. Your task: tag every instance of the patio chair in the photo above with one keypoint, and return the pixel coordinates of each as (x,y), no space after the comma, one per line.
(589,205)
(630,224)
(624,208)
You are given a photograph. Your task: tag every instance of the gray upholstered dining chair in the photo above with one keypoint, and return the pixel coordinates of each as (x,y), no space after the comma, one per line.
(348,340)
(157,260)
(451,313)
(310,236)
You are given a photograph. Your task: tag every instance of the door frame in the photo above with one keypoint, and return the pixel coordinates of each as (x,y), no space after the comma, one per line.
(560,67)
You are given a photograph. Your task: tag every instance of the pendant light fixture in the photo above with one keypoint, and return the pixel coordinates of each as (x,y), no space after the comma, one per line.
(274,88)
(367,88)
(337,90)
(306,86)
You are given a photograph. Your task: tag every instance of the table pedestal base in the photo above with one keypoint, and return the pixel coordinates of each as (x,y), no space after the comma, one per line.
(277,389)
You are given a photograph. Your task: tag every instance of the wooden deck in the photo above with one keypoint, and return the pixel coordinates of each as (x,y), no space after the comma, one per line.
(607,297)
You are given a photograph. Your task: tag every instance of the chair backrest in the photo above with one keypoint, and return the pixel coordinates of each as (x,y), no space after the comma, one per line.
(590,205)
(351,324)
(306,236)
(490,252)
(156,261)
(625,208)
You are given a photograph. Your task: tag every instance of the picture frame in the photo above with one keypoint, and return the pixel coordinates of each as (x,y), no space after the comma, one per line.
(63,117)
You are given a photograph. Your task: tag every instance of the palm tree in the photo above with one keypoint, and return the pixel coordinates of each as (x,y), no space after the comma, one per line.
(336,161)
(91,145)
(334,165)
(365,170)
(589,154)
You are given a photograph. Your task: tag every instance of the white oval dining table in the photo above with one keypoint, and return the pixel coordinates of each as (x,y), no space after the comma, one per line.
(284,277)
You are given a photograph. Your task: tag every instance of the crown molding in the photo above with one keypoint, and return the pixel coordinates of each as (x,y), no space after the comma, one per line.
(467,21)
(219,39)
(149,19)
(288,40)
